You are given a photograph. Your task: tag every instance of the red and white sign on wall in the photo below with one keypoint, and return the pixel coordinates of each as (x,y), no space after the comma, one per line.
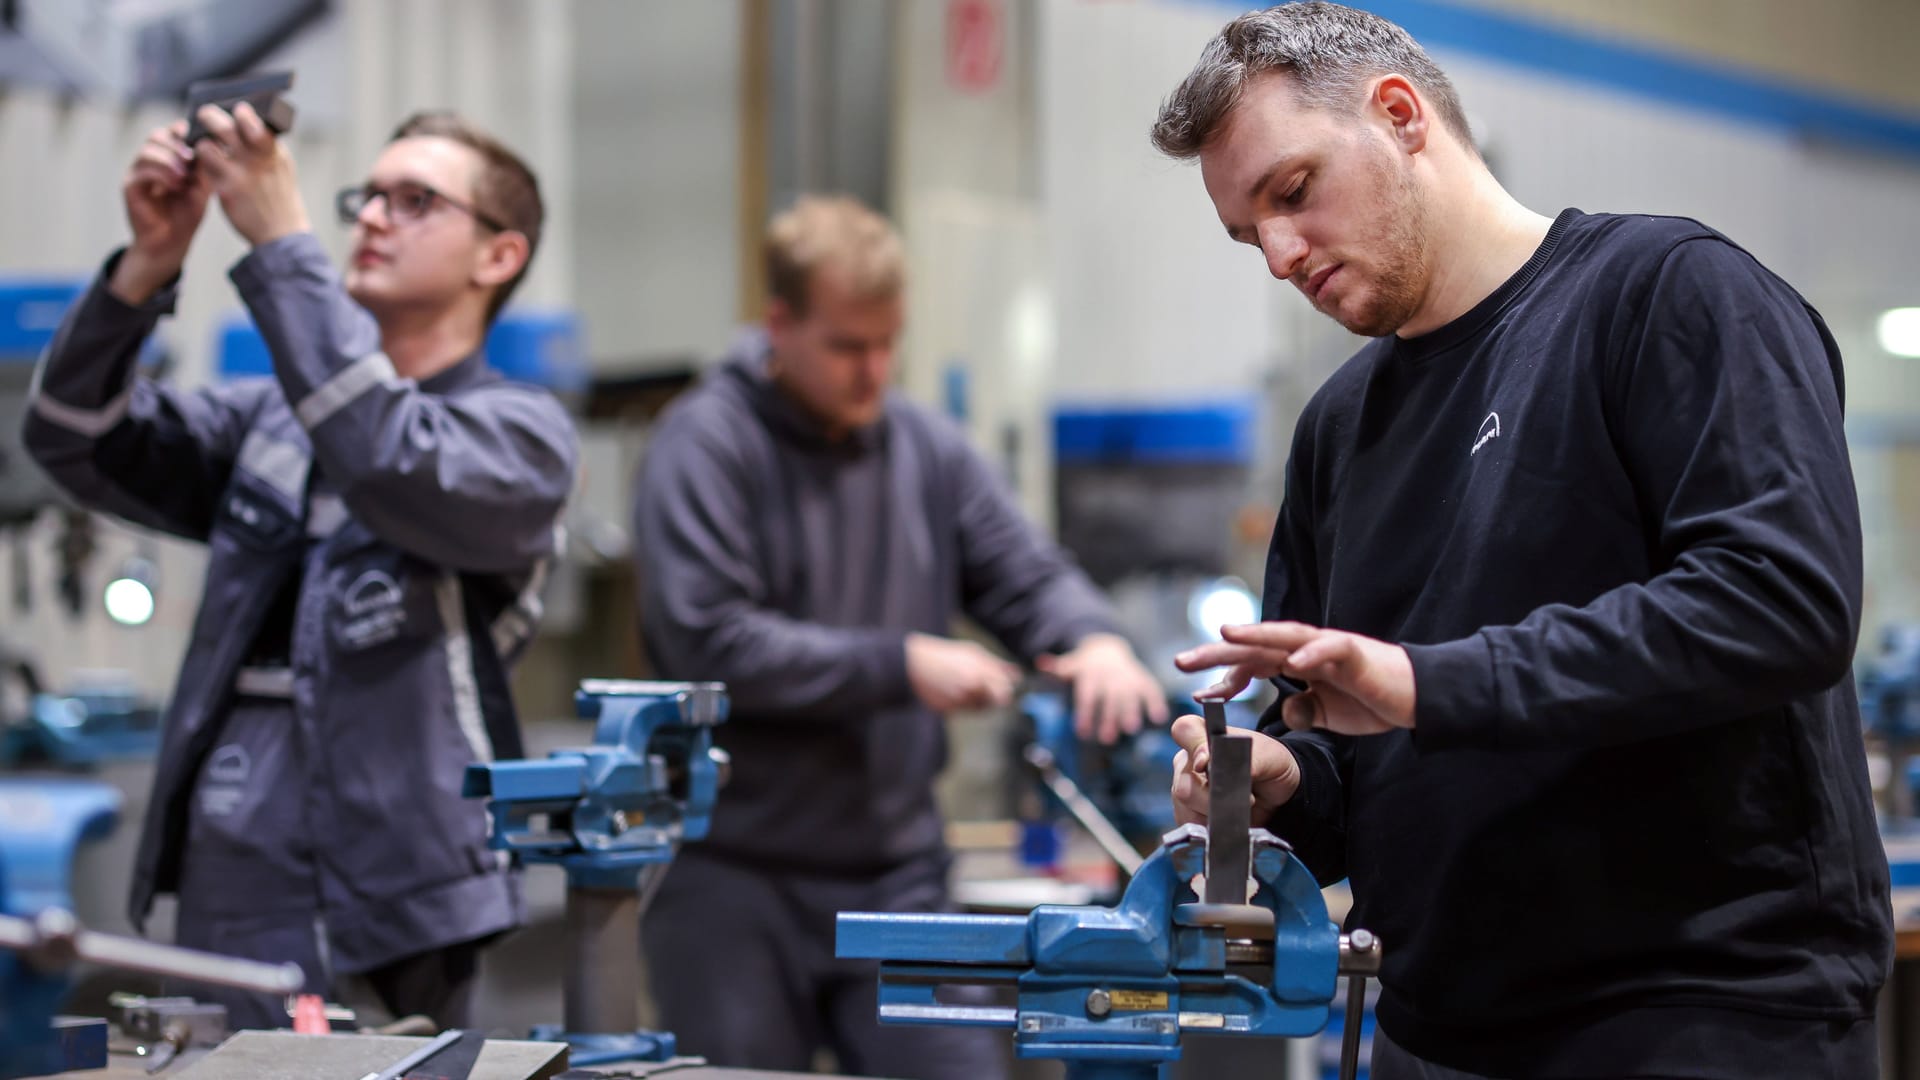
(976,44)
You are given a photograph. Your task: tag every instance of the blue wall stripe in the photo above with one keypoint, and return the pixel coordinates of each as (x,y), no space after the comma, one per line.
(1644,70)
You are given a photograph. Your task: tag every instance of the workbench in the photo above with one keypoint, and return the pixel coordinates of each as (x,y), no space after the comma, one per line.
(280,1055)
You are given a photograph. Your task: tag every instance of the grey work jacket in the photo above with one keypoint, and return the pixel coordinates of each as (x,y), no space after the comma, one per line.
(415,521)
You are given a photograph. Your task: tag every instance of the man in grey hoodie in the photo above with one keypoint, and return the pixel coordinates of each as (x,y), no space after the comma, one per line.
(807,535)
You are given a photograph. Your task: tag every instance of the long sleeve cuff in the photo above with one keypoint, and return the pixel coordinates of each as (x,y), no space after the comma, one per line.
(82,381)
(102,304)
(1456,696)
(1313,821)
(890,665)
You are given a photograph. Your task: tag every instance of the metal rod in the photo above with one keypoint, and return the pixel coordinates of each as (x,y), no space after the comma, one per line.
(1350,1027)
(55,935)
(1359,957)
(1083,810)
(399,1068)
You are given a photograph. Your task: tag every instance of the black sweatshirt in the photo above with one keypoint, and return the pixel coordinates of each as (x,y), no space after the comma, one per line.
(792,568)
(1609,512)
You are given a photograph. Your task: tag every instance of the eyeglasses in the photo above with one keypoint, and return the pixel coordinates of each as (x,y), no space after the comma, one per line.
(406,202)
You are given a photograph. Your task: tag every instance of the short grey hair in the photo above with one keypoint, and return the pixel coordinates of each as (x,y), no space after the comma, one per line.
(1328,50)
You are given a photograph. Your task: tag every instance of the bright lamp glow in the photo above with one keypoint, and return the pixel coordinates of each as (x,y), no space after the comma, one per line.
(129,602)
(1900,331)
(129,596)
(1225,602)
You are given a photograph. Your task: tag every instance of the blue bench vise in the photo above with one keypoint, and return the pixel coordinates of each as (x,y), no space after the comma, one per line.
(612,815)
(1109,991)
(42,823)
(1117,793)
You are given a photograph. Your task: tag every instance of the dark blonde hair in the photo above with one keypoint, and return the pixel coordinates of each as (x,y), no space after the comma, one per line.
(837,231)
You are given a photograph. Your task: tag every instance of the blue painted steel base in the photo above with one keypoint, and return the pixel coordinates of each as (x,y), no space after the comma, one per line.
(609,1049)
(1117,1070)
(83,1042)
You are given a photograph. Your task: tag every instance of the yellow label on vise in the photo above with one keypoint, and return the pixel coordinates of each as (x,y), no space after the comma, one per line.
(1139,1000)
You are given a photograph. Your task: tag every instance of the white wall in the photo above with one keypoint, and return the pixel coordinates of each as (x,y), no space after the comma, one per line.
(1153,300)
(979,290)
(656,91)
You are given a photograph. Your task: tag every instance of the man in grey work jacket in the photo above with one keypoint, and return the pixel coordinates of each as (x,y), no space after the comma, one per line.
(807,535)
(378,516)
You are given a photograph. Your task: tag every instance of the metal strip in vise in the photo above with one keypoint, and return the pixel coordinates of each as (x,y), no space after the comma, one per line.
(1229,808)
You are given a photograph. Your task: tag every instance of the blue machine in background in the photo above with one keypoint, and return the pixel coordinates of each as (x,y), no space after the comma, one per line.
(1889,685)
(543,348)
(1146,500)
(612,815)
(81,730)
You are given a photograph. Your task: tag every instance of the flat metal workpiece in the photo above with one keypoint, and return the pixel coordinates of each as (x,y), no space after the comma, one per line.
(282,1055)
(678,1069)
(1229,808)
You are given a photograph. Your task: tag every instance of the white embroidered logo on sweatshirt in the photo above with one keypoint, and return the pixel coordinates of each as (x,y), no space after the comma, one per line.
(1489,431)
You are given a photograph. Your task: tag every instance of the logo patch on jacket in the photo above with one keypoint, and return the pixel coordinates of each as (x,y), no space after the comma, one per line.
(375,611)
(224,782)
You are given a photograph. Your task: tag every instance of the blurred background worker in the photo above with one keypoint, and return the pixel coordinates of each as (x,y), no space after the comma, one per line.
(374,514)
(807,535)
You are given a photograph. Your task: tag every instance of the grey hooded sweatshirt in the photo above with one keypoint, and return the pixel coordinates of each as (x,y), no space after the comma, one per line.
(792,568)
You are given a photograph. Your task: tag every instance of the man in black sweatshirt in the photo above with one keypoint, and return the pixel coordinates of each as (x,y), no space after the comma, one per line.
(1561,598)
(807,535)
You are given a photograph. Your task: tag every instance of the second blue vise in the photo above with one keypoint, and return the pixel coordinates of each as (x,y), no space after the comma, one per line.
(607,811)
(1111,990)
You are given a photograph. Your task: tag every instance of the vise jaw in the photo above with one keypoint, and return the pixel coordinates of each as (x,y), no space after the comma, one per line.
(607,810)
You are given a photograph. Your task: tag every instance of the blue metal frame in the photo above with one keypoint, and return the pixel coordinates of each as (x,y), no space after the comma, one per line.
(1209,433)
